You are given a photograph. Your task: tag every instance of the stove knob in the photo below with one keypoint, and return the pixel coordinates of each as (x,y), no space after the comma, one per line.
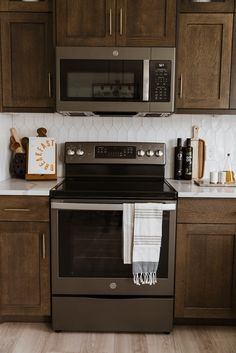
(70,152)
(159,153)
(80,152)
(140,153)
(150,153)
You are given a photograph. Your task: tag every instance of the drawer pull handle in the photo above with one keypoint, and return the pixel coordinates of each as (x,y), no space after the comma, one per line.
(49,85)
(43,246)
(16,210)
(181,87)
(121,22)
(110,22)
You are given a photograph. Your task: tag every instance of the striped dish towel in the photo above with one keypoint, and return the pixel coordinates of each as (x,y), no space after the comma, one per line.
(142,235)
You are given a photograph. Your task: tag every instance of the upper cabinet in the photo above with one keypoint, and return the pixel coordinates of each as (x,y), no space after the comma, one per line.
(233,71)
(204,61)
(27,61)
(206,6)
(27,6)
(115,22)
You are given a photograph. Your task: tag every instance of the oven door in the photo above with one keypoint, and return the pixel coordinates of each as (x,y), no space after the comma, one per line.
(87,248)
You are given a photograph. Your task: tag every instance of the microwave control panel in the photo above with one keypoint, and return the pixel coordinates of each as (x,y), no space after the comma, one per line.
(160,75)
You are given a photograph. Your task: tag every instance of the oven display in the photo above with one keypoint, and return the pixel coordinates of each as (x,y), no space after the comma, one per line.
(122,152)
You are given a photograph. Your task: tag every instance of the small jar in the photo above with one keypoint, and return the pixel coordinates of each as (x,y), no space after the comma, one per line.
(222,177)
(213,177)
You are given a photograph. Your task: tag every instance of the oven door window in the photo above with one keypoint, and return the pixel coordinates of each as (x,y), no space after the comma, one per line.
(101,80)
(90,244)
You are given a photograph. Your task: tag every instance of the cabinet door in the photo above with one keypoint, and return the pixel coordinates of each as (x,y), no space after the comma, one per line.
(85,22)
(204,59)
(205,271)
(27,59)
(24,269)
(211,6)
(233,71)
(146,22)
(19,5)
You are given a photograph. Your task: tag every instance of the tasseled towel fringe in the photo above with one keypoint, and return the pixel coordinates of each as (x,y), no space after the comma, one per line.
(145,278)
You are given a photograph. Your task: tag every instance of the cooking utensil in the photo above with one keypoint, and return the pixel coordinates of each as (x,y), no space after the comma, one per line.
(24,142)
(42,132)
(14,146)
(17,140)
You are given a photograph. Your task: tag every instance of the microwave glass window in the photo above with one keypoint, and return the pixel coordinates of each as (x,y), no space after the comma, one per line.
(101,80)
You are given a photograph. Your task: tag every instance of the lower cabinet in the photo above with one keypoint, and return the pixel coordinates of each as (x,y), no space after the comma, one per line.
(206,260)
(24,262)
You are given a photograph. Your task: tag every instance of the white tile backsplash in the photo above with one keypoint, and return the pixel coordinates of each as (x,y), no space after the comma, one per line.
(218,131)
(5,154)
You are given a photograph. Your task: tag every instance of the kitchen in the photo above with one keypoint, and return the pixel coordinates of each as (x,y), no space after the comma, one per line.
(216,129)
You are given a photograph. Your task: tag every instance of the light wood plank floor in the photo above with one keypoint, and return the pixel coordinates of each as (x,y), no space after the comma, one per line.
(39,338)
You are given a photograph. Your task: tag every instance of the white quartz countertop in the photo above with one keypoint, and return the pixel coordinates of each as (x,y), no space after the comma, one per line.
(187,188)
(26,187)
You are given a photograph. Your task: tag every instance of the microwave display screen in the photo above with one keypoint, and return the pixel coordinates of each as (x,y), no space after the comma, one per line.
(104,80)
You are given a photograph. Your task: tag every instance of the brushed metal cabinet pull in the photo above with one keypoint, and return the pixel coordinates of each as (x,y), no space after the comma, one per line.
(181,86)
(49,85)
(16,210)
(43,246)
(110,22)
(121,21)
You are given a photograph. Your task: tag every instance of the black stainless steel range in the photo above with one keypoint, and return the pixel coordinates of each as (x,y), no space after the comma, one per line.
(92,287)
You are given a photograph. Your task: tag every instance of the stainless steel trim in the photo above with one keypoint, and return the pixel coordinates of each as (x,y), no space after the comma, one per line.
(84,206)
(145,80)
(43,246)
(121,21)
(16,210)
(110,22)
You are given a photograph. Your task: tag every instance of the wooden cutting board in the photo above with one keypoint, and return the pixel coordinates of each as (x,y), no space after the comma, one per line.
(198,154)
(201,158)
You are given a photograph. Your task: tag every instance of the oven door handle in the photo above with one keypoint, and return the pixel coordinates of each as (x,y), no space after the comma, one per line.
(86,206)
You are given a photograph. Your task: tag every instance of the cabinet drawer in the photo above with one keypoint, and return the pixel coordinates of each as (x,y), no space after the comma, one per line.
(24,208)
(206,211)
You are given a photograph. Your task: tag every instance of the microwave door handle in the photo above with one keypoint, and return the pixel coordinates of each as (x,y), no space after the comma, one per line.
(146,80)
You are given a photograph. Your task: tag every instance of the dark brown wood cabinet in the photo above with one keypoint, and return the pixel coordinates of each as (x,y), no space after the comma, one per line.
(204,61)
(211,6)
(206,259)
(19,5)
(27,62)
(24,258)
(233,71)
(115,22)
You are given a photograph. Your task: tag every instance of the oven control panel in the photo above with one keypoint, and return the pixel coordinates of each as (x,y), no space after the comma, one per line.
(114,152)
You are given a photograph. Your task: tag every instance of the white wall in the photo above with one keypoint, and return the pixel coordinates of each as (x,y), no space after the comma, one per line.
(219,132)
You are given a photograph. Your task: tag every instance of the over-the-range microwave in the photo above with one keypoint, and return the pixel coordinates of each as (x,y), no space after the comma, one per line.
(117,80)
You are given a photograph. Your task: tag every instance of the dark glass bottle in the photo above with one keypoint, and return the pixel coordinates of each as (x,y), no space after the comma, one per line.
(188,160)
(178,173)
